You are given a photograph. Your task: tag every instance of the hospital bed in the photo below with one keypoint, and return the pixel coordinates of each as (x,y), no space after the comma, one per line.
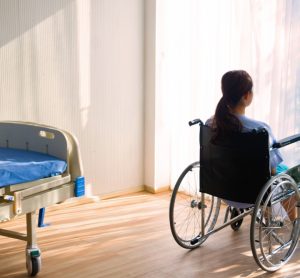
(39,166)
(234,169)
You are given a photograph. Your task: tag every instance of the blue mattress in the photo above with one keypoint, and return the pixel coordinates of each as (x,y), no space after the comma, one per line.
(18,166)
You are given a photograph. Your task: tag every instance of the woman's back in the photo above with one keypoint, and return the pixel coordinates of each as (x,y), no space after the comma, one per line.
(237,95)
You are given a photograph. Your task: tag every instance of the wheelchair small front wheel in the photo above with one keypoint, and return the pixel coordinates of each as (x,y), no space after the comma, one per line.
(187,209)
(233,213)
(274,232)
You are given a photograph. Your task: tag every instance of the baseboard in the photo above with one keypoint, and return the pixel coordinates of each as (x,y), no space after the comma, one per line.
(158,190)
(135,189)
(126,191)
(95,198)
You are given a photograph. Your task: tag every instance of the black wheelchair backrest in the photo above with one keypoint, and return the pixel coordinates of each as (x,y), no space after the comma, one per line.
(234,165)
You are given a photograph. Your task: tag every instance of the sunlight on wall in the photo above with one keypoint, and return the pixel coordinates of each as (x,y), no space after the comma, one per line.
(31,56)
(78,65)
(204,39)
(83,40)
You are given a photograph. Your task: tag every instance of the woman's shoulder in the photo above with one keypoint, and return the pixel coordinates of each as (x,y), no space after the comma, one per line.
(249,123)
(209,121)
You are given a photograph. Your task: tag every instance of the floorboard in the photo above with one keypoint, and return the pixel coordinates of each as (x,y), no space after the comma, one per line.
(129,236)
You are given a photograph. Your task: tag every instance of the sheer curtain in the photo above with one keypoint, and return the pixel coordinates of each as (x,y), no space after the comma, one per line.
(201,40)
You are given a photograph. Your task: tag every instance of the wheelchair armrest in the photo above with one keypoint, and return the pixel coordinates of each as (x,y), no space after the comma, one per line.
(286,141)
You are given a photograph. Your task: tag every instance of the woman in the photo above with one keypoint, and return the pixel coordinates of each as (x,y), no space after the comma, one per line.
(237,95)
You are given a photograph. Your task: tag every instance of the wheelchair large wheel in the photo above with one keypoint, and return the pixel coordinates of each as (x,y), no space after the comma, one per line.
(192,214)
(273,234)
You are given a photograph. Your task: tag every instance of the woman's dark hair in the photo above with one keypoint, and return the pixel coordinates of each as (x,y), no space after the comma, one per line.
(235,84)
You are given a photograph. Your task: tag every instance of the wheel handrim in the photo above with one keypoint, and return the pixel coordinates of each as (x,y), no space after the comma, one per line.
(276,239)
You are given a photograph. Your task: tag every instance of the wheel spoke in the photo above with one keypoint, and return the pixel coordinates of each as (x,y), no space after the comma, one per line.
(275,240)
(186,210)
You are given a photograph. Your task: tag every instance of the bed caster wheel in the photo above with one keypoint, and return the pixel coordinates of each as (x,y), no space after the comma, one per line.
(33,261)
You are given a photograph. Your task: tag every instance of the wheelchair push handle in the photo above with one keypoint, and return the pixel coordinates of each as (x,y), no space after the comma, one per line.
(286,141)
(195,121)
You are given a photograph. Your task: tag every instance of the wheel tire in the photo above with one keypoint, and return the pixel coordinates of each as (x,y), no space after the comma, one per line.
(273,235)
(35,266)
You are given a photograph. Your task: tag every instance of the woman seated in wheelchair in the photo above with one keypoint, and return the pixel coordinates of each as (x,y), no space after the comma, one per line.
(237,90)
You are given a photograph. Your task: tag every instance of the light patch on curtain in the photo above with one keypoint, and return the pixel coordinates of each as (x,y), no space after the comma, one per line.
(201,40)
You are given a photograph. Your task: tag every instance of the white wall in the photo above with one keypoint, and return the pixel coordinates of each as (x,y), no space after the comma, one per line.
(157,121)
(150,98)
(78,65)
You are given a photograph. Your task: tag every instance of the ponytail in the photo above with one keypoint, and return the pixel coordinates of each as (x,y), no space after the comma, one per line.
(224,120)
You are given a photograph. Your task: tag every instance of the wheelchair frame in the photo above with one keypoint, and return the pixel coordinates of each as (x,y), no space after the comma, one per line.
(273,235)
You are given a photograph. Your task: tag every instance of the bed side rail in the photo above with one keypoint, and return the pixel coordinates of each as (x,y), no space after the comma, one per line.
(43,139)
(286,141)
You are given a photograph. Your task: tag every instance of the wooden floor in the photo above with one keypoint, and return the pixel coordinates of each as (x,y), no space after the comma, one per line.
(129,236)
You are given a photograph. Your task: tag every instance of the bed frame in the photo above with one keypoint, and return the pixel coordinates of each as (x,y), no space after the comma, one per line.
(27,198)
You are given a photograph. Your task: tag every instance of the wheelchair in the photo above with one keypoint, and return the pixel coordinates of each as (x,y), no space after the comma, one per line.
(236,167)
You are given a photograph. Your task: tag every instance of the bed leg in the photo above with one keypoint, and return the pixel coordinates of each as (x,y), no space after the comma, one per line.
(31,232)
